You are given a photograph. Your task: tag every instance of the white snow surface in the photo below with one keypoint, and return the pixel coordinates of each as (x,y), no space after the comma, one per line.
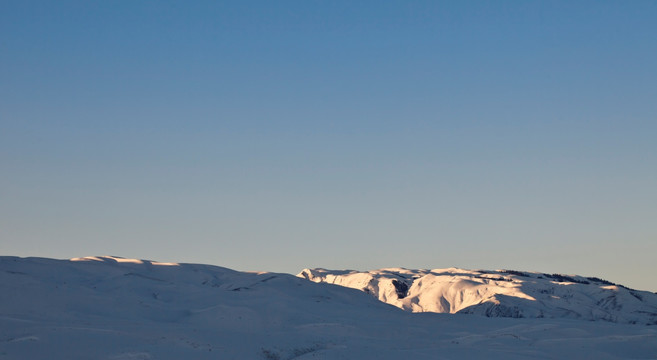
(500,293)
(113,308)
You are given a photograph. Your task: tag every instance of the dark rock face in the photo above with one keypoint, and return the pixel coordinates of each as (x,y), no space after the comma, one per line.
(401,288)
(516,273)
(565,278)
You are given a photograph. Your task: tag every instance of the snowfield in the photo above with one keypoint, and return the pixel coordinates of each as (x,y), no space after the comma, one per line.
(115,308)
(501,293)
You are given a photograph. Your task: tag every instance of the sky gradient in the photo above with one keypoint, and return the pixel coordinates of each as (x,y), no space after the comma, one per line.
(283,135)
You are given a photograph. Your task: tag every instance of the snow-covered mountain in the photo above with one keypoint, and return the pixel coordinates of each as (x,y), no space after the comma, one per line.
(501,293)
(126,309)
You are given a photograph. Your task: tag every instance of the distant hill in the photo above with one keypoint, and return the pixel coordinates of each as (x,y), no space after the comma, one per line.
(500,293)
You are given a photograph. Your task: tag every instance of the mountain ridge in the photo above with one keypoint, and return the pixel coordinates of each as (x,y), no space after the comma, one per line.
(498,293)
(105,307)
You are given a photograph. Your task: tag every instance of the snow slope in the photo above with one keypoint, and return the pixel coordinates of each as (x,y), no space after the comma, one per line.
(502,293)
(114,308)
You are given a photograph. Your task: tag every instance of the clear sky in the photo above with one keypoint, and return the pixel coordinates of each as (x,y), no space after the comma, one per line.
(279,135)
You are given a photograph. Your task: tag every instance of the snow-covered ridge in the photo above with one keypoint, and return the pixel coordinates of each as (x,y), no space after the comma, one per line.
(500,293)
(118,259)
(125,309)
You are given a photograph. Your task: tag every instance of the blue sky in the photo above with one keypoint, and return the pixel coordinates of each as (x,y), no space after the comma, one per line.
(282,135)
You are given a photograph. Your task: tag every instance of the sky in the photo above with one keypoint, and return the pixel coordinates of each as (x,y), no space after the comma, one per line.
(283,135)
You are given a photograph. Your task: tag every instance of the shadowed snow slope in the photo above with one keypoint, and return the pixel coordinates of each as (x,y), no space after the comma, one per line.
(114,308)
(502,293)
